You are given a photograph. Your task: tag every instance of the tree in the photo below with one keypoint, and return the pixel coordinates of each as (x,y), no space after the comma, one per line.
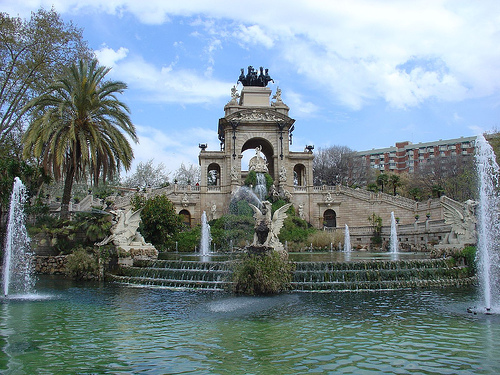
(32,53)
(148,175)
(382,180)
(187,175)
(395,181)
(76,127)
(159,221)
(337,164)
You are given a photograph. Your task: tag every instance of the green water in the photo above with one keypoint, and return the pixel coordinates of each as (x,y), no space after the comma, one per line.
(113,329)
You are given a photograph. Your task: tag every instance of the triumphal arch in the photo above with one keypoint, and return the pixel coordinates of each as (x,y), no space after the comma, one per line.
(253,120)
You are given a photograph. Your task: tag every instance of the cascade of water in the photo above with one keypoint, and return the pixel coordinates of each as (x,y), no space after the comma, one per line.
(260,188)
(488,224)
(18,266)
(394,246)
(347,240)
(206,239)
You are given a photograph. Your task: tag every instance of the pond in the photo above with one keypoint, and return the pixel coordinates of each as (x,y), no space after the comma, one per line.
(109,328)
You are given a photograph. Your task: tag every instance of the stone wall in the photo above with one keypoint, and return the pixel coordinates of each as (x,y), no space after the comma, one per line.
(51,265)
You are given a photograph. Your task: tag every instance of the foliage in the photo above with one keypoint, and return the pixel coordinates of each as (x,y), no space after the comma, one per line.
(382,180)
(235,230)
(137,201)
(280,203)
(32,52)
(262,274)
(148,175)
(32,177)
(467,256)
(372,187)
(65,235)
(82,264)
(160,223)
(295,230)
(103,190)
(269,181)
(395,181)
(251,179)
(454,177)
(188,239)
(376,223)
(76,127)
(96,226)
(240,208)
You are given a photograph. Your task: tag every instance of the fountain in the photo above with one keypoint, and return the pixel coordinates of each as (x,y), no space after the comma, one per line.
(347,240)
(488,224)
(347,244)
(206,239)
(18,266)
(394,245)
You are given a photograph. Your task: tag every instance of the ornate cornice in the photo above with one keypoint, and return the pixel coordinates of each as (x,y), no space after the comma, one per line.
(259,115)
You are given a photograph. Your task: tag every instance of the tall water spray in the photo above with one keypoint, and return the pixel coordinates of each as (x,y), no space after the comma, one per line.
(394,245)
(18,264)
(347,245)
(347,240)
(206,238)
(487,255)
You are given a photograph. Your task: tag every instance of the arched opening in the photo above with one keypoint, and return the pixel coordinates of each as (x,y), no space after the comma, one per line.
(266,149)
(186,217)
(213,175)
(299,175)
(330,219)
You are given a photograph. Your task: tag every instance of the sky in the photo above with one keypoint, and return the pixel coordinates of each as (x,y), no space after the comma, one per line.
(363,74)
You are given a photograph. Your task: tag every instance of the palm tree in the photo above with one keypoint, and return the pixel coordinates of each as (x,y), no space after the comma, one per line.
(382,180)
(77,125)
(395,181)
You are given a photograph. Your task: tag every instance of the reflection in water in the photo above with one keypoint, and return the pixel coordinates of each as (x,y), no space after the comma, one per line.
(116,329)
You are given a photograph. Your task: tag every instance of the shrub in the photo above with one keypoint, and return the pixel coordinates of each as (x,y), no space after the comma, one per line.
(82,264)
(323,239)
(160,222)
(232,229)
(262,274)
(188,239)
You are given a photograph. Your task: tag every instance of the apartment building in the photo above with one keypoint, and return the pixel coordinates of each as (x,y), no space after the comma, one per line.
(406,156)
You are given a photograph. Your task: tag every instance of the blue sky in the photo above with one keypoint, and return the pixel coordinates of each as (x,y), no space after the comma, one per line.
(364,74)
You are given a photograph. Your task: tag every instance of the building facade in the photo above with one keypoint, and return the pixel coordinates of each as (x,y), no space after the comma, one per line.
(406,157)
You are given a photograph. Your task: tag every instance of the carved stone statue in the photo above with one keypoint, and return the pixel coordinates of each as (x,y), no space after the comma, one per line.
(234,173)
(185,200)
(234,95)
(462,218)
(252,79)
(301,211)
(277,96)
(124,230)
(258,163)
(213,210)
(282,174)
(267,227)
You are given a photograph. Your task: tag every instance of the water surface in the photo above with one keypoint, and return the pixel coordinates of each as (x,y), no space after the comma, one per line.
(115,329)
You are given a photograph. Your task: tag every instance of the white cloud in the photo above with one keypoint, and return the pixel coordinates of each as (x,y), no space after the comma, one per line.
(166,84)
(172,148)
(300,107)
(109,57)
(254,35)
(352,50)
